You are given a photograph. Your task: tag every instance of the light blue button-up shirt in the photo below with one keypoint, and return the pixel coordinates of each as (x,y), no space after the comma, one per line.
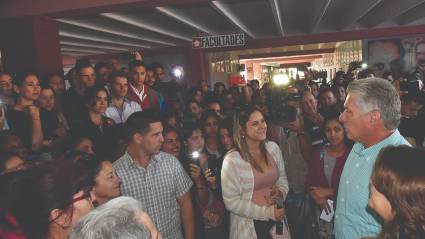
(353,218)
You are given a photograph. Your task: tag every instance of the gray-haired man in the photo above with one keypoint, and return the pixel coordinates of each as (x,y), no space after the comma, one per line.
(121,217)
(371,117)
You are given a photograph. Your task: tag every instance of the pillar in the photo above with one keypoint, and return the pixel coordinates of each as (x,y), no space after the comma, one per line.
(30,43)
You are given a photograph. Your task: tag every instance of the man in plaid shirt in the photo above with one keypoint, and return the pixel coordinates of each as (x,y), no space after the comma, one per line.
(156,178)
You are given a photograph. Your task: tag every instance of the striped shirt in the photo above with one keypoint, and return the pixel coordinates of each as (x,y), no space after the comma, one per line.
(353,218)
(158,187)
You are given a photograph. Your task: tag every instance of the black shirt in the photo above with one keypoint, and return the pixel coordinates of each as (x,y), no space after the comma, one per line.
(20,124)
(49,123)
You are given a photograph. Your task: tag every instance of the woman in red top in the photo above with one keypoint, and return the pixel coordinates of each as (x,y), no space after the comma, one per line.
(326,165)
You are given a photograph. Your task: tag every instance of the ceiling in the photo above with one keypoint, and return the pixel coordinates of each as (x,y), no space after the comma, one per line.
(175,25)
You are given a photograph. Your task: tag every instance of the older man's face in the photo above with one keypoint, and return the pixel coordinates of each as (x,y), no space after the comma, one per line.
(355,122)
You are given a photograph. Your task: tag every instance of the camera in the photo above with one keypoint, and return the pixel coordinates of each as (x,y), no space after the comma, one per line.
(279,110)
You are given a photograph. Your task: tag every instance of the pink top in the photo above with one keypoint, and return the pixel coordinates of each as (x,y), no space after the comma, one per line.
(263,183)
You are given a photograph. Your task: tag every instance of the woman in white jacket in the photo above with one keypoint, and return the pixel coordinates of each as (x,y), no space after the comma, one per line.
(253,177)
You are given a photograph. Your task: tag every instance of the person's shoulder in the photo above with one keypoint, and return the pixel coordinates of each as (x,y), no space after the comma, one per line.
(271,145)
(121,162)
(233,153)
(167,158)
(133,104)
(399,139)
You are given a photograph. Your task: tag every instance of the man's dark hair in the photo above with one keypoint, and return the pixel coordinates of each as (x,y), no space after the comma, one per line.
(156,65)
(116,74)
(134,64)
(139,122)
(100,65)
(81,64)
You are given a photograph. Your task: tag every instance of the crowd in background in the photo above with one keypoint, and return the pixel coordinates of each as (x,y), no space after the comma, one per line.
(207,163)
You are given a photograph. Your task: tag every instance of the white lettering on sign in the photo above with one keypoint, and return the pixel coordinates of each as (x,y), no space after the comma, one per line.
(218,41)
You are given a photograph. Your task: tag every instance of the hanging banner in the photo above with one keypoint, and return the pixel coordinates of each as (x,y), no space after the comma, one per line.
(218,41)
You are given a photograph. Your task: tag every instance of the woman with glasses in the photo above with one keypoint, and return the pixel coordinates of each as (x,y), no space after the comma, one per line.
(49,199)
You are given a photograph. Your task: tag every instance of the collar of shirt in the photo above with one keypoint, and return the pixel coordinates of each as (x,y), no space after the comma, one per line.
(140,94)
(125,104)
(131,162)
(362,151)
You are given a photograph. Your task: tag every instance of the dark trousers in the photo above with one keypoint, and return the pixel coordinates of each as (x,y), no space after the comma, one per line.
(262,228)
(294,210)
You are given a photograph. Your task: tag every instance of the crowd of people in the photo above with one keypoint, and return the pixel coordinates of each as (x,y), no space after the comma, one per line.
(118,152)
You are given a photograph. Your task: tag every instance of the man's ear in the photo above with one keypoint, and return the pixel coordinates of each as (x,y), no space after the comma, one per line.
(137,137)
(375,117)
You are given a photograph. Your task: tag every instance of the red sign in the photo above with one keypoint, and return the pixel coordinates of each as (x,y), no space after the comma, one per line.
(236,80)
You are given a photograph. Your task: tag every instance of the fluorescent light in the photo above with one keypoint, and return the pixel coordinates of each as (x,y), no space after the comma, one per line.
(69,43)
(174,14)
(150,27)
(99,39)
(232,17)
(109,30)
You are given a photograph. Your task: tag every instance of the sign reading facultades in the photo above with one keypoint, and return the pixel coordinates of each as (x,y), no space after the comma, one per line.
(218,41)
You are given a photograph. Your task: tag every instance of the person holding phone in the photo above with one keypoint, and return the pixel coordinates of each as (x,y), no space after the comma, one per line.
(203,166)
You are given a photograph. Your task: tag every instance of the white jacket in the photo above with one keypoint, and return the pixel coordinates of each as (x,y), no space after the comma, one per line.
(237,182)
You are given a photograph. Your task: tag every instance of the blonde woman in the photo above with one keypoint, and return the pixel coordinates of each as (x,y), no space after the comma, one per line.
(253,178)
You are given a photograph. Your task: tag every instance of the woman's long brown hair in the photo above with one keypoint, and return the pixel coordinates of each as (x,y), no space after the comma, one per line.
(239,127)
(399,175)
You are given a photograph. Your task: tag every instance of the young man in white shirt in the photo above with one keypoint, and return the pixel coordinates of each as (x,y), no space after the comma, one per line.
(120,108)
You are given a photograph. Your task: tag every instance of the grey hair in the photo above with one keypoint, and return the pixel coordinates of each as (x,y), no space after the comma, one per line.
(378,94)
(112,220)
